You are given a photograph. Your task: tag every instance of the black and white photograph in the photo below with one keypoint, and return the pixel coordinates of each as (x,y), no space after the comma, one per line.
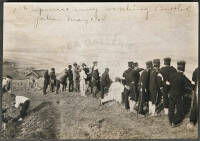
(100,70)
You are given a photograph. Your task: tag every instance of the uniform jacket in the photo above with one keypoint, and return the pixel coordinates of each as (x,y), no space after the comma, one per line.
(180,85)
(70,75)
(167,72)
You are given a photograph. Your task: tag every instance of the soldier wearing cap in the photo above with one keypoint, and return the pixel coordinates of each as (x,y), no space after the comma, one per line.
(194,109)
(105,82)
(155,87)
(134,92)
(52,76)
(144,90)
(180,87)
(167,72)
(61,79)
(70,78)
(128,79)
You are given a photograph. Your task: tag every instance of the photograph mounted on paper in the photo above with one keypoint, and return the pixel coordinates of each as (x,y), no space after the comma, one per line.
(100,70)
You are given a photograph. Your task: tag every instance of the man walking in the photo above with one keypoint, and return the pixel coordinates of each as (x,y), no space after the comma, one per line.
(83,76)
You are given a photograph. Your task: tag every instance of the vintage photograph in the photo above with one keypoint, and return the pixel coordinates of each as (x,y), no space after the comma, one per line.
(100,70)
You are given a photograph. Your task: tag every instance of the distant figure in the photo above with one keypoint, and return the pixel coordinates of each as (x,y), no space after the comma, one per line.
(95,79)
(70,78)
(61,80)
(144,91)
(167,72)
(179,87)
(83,77)
(6,86)
(76,76)
(115,92)
(46,82)
(88,79)
(194,114)
(105,82)
(155,87)
(52,79)
(23,103)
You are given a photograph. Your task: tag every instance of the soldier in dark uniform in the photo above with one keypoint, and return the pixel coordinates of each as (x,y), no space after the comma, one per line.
(70,78)
(134,95)
(128,79)
(167,72)
(155,87)
(105,82)
(179,86)
(144,91)
(52,79)
(46,82)
(194,109)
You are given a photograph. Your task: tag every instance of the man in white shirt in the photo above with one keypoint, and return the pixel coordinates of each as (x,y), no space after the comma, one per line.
(21,102)
(83,76)
(115,92)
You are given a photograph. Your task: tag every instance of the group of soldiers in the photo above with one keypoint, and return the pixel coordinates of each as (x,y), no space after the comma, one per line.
(157,89)
(146,91)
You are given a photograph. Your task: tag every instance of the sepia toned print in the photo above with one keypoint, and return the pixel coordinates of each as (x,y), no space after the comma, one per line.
(100,71)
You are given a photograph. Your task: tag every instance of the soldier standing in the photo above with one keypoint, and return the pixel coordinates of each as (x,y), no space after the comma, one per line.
(128,79)
(194,110)
(46,82)
(70,78)
(179,86)
(52,79)
(167,72)
(75,76)
(105,82)
(155,87)
(134,95)
(144,91)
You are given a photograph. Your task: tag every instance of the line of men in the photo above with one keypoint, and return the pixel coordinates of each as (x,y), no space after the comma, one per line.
(160,88)
(81,79)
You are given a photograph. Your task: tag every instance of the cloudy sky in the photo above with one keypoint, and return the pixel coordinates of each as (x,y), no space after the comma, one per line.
(56,34)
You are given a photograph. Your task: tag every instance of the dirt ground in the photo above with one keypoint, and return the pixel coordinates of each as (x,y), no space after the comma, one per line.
(70,116)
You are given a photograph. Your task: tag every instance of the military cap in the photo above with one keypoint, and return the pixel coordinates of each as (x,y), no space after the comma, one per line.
(69,66)
(156,62)
(130,63)
(167,61)
(149,64)
(181,65)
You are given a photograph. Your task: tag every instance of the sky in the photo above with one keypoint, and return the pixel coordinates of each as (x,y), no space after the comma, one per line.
(57,34)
